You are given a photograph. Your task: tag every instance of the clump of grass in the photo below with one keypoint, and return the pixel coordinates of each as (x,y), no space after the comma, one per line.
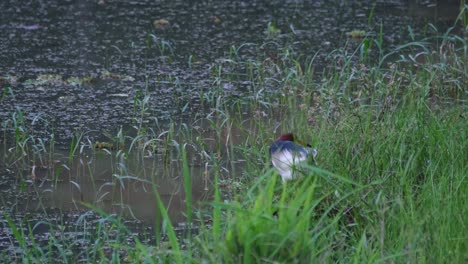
(409,161)
(398,132)
(289,223)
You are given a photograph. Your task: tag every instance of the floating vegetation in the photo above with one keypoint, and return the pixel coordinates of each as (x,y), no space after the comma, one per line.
(46,79)
(104,145)
(216,20)
(106,75)
(272,31)
(161,24)
(356,34)
(77,81)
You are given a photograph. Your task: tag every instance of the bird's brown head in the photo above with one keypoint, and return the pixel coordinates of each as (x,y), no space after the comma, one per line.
(286,137)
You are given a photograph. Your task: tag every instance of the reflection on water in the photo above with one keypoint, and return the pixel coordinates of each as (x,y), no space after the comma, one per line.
(125,189)
(94,181)
(121,184)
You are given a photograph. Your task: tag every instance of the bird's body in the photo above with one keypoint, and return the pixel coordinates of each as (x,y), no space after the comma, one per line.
(287,154)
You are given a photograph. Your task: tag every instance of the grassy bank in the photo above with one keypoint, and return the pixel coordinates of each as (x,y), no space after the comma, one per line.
(390,183)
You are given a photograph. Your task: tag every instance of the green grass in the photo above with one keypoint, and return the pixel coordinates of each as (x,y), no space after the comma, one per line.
(389,185)
(400,175)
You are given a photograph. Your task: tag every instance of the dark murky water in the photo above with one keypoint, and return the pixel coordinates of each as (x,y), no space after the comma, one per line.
(70,66)
(80,65)
(120,190)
